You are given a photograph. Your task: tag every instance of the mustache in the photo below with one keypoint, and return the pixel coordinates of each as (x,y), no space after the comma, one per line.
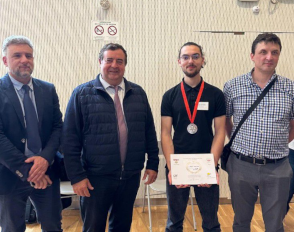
(25,66)
(193,66)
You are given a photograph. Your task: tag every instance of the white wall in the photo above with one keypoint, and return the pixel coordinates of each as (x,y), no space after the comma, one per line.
(152,32)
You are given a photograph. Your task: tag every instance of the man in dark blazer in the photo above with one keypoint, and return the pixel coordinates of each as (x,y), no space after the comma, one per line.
(109,126)
(24,171)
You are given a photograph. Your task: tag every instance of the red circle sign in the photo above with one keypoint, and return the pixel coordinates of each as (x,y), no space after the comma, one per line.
(99,30)
(112,30)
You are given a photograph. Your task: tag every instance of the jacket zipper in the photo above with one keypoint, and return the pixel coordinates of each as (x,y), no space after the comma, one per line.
(122,169)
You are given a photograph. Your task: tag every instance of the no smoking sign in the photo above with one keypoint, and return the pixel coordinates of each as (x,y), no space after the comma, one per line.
(99,30)
(102,30)
(112,30)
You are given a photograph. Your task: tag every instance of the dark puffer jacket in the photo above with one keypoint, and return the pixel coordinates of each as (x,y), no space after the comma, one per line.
(90,132)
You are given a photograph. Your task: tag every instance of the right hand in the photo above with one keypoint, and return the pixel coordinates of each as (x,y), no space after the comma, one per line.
(82,188)
(177,186)
(39,168)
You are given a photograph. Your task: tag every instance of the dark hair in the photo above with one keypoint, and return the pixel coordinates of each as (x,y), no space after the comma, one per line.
(112,47)
(266,37)
(190,44)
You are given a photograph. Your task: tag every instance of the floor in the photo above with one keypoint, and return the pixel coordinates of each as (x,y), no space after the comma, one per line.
(72,221)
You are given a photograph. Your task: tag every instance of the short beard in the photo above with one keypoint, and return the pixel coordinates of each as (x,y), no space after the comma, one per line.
(23,75)
(191,75)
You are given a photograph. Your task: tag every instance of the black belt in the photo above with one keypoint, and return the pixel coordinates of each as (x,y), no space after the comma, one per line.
(255,160)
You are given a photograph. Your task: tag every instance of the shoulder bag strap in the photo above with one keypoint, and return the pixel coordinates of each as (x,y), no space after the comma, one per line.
(253,106)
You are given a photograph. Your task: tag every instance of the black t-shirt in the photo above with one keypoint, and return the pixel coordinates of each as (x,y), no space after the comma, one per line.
(213,105)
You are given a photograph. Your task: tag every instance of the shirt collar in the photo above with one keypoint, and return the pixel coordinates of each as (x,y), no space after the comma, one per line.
(18,85)
(188,87)
(250,79)
(106,85)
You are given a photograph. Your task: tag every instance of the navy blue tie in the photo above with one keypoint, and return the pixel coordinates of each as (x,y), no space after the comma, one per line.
(33,136)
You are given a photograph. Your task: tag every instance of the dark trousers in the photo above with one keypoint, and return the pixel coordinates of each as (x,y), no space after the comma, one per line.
(272,181)
(207,200)
(46,201)
(291,192)
(114,195)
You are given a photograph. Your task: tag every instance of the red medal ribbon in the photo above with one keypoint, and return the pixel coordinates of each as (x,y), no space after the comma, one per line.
(192,118)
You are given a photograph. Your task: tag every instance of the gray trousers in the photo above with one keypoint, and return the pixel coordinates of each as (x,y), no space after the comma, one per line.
(272,181)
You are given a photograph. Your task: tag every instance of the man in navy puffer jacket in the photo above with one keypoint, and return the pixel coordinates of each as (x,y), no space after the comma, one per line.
(103,163)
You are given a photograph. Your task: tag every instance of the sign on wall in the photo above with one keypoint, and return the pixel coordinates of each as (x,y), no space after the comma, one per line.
(105,30)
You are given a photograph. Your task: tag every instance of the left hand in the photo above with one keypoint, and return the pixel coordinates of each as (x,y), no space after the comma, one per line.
(177,186)
(209,185)
(152,175)
(43,183)
(38,169)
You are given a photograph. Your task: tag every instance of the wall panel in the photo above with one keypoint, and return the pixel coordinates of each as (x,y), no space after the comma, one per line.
(152,32)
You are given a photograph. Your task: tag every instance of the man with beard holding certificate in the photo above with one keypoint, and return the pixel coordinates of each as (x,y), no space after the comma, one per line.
(190,108)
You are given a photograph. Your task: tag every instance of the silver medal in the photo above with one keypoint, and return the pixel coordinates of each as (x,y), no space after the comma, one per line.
(192,128)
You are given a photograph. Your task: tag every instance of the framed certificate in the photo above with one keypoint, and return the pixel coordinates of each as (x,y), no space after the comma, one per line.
(193,169)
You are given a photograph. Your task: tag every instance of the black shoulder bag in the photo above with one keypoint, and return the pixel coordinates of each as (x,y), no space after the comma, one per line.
(227,149)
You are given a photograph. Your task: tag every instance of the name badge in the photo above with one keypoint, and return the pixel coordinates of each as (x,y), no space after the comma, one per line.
(203,106)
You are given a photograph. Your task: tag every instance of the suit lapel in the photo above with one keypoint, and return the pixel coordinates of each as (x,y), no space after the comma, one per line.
(9,90)
(39,101)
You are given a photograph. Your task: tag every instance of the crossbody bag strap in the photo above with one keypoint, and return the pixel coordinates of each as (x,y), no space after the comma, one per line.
(252,107)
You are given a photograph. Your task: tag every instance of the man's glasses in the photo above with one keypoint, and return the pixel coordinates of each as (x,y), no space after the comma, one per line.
(187,57)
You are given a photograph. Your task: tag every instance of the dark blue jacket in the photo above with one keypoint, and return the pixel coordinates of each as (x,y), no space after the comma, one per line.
(13,131)
(90,132)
